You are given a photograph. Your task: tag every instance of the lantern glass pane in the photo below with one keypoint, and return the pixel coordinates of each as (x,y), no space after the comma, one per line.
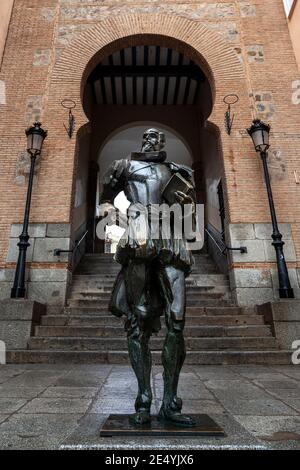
(29,142)
(257,138)
(37,142)
(266,137)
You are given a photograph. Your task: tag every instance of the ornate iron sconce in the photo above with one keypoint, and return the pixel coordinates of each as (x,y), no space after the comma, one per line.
(35,138)
(69,104)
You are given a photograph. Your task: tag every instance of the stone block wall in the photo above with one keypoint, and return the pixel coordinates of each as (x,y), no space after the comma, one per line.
(18,318)
(48,276)
(284,319)
(253,275)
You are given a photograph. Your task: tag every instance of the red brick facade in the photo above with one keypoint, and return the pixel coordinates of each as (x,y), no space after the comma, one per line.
(244,47)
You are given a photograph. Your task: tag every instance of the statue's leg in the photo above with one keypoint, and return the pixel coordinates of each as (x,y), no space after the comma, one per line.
(138,335)
(173,355)
(140,358)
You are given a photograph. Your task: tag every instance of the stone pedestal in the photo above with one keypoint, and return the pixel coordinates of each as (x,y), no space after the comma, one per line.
(284,318)
(18,318)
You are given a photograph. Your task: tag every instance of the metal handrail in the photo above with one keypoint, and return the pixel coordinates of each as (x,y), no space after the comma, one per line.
(58,251)
(215,242)
(241,249)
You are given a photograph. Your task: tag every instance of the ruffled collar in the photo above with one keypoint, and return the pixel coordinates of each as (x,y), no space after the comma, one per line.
(155,157)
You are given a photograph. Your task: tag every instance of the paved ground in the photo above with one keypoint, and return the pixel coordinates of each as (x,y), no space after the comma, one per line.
(63,406)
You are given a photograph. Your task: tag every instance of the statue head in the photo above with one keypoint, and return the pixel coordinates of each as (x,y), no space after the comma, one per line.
(153,140)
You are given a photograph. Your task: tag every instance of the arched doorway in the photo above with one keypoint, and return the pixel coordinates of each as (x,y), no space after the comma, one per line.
(156,86)
(206,48)
(219,62)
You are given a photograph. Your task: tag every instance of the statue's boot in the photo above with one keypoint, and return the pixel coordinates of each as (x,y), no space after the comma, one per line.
(140,358)
(173,358)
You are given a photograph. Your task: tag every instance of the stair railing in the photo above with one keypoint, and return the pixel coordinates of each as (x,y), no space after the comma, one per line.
(58,251)
(222,247)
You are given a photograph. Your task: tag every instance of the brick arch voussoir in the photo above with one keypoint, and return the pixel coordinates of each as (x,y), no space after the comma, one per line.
(208,48)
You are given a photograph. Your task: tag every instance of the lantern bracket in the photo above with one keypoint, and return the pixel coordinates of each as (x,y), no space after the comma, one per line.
(69,104)
(230,100)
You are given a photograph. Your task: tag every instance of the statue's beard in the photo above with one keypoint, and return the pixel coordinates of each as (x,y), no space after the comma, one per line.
(149,147)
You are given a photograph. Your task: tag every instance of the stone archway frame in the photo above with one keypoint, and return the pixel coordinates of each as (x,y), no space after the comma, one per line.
(207,48)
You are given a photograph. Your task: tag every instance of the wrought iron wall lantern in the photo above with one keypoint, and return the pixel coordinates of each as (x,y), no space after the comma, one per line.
(69,104)
(230,100)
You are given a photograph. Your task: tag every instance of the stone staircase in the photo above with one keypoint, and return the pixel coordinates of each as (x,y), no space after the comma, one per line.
(217,331)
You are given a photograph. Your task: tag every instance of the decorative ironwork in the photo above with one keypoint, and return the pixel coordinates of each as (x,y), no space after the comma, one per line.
(69,104)
(230,100)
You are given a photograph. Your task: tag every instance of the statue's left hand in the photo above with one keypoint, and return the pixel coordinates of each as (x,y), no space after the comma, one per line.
(183,198)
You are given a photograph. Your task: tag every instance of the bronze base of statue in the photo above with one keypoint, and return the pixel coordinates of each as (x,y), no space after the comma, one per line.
(124,425)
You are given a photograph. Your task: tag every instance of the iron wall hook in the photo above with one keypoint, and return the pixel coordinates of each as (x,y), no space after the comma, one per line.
(69,104)
(229,119)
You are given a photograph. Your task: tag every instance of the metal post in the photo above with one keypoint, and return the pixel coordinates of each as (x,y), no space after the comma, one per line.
(285,289)
(18,290)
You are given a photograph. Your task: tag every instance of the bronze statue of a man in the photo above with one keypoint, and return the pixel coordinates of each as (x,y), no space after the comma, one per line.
(152,279)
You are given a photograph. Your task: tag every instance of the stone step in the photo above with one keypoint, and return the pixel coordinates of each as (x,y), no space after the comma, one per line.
(114,265)
(212,302)
(100,305)
(118,331)
(92,291)
(113,274)
(117,266)
(121,357)
(105,296)
(201,280)
(213,357)
(190,311)
(107,290)
(111,320)
(203,252)
(192,279)
(110,256)
(113,343)
(113,270)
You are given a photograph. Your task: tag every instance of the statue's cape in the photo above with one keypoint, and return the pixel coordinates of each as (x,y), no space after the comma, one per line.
(155,157)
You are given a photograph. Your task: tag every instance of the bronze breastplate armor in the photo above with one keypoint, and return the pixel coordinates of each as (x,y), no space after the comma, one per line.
(145,182)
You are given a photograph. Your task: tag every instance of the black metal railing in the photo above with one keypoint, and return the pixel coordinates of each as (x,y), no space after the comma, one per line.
(222,247)
(58,251)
